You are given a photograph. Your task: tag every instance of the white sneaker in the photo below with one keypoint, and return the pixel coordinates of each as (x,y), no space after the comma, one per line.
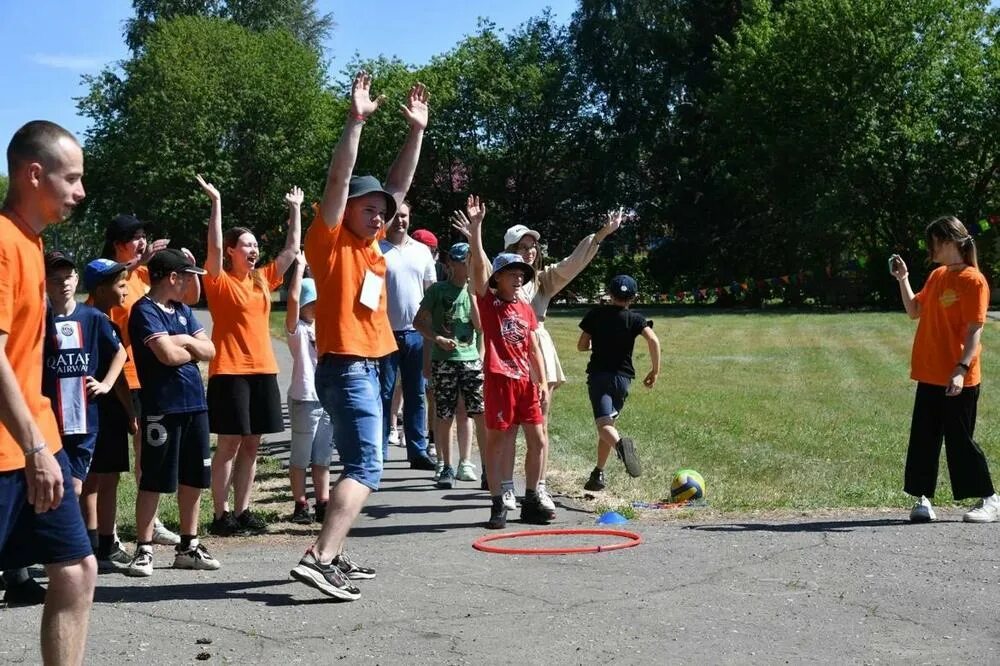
(438,466)
(922,512)
(162,536)
(544,499)
(987,511)
(142,564)
(466,471)
(195,557)
(394,436)
(510,500)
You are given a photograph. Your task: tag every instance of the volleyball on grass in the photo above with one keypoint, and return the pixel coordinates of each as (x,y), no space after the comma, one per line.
(687,485)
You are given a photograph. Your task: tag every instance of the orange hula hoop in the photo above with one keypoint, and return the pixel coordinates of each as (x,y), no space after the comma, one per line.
(482,543)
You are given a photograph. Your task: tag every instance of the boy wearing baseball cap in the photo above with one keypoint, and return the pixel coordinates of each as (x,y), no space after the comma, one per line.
(107,283)
(609,333)
(168,343)
(515,388)
(449,321)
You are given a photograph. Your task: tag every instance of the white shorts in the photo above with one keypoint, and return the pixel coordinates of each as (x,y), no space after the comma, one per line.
(312,434)
(553,369)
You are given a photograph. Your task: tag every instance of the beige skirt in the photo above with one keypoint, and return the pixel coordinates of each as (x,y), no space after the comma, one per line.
(553,369)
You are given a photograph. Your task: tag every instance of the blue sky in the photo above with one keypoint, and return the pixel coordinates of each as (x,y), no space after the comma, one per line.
(49,44)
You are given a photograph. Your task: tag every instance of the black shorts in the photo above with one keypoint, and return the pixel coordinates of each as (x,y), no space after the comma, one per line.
(27,537)
(607,391)
(175,451)
(111,449)
(244,405)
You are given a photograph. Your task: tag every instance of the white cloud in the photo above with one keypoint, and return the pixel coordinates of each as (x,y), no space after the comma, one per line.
(77,63)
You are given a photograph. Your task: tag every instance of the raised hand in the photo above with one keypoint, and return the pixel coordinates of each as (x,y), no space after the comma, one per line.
(897,267)
(415,109)
(153,248)
(294,197)
(362,103)
(187,255)
(613,223)
(475,209)
(209,189)
(460,223)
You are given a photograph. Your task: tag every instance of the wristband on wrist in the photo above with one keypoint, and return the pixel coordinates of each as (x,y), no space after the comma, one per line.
(35,449)
(357,116)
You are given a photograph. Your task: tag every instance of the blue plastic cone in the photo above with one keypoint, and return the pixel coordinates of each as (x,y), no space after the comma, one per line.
(611,518)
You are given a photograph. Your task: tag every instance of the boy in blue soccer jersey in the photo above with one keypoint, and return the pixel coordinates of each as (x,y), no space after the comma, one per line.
(168,342)
(83,358)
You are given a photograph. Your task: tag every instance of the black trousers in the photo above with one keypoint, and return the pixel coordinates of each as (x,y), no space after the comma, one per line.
(937,416)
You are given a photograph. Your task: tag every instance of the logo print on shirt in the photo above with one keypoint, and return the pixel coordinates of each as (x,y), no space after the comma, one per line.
(948,298)
(513,330)
(66,330)
(182,319)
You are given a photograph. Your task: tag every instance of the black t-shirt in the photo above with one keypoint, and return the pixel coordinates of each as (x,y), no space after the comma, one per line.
(613,330)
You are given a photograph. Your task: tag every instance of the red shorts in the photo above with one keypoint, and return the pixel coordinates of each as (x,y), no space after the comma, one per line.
(510,402)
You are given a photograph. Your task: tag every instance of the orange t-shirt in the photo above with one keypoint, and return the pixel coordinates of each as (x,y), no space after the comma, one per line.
(22,317)
(949,302)
(241,327)
(137,282)
(340,261)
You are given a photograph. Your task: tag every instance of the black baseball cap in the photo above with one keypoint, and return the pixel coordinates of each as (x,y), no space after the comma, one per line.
(56,259)
(362,185)
(170,261)
(623,287)
(123,228)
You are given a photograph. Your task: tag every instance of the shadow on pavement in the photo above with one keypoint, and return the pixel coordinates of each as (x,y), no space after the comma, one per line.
(817,526)
(208,591)
(415,528)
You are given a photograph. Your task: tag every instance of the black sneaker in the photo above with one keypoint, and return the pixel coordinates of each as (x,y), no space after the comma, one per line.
(251,523)
(351,569)
(498,515)
(327,578)
(225,526)
(626,452)
(533,512)
(28,593)
(320,512)
(301,515)
(116,560)
(447,479)
(424,462)
(596,480)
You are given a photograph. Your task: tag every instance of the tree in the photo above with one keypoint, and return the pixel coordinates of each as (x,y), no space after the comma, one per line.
(299,17)
(249,110)
(3,187)
(842,127)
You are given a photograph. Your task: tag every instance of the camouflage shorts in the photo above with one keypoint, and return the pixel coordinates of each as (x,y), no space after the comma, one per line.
(452,378)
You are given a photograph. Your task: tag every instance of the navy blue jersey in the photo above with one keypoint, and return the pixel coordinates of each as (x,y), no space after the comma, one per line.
(78,345)
(166,389)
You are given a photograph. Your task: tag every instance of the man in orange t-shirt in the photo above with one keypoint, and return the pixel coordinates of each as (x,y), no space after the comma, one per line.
(352,327)
(45,163)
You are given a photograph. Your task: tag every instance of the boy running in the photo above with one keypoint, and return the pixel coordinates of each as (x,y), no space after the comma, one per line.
(515,389)
(168,343)
(609,333)
(449,321)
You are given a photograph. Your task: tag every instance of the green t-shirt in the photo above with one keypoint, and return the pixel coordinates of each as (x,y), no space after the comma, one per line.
(451,316)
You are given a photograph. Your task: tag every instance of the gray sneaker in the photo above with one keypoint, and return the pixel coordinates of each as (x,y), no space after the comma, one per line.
(117,560)
(446,480)
(327,578)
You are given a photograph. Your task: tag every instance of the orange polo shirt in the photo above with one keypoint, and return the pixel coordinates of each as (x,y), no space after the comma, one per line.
(241,327)
(22,317)
(949,302)
(137,282)
(340,261)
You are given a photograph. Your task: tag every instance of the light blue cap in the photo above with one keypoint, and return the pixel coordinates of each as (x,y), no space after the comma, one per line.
(307,294)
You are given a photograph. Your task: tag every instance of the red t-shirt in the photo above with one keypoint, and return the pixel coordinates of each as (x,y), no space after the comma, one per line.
(507,328)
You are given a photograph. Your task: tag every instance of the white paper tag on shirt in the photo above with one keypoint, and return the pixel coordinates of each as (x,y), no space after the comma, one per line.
(371,291)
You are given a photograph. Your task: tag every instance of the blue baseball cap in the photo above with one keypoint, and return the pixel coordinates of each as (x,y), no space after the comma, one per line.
(508,260)
(458,252)
(623,287)
(100,270)
(307,293)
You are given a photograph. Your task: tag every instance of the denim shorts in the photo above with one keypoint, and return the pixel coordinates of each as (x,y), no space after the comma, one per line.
(27,537)
(607,391)
(348,388)
(312,434)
